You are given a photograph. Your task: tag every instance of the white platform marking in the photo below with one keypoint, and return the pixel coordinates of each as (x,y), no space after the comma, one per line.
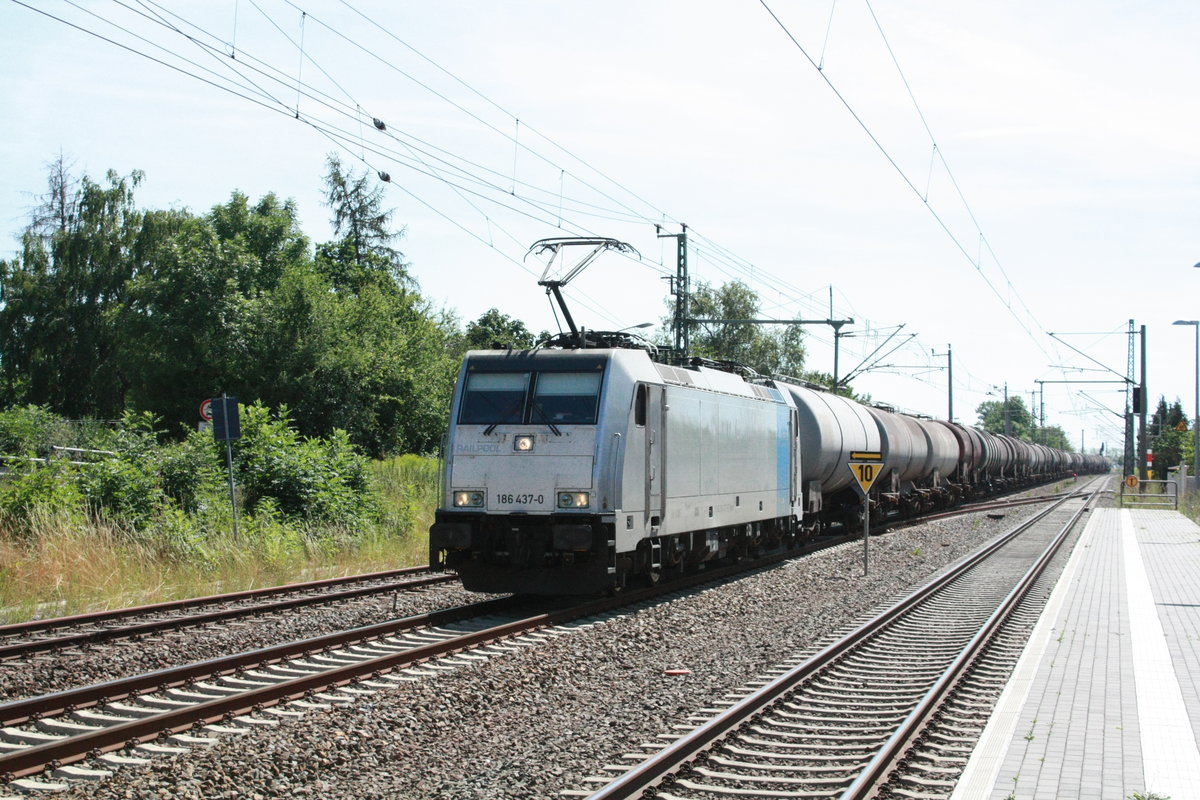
(1172,761)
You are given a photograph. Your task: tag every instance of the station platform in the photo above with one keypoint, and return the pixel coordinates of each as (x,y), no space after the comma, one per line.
(1105,701)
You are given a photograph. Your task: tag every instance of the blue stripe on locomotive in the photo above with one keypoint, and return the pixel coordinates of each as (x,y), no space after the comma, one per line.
(783,461)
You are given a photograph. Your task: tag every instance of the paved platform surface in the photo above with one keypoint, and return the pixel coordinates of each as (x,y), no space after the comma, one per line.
(1105,701)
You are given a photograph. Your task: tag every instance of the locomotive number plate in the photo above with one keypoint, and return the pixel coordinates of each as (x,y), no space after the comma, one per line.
(520,499)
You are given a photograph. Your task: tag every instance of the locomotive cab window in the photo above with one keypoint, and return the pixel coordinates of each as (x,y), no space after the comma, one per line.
(566,398)
(494,398)
(639,406)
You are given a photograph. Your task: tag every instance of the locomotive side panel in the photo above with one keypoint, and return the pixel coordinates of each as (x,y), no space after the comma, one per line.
(728,460)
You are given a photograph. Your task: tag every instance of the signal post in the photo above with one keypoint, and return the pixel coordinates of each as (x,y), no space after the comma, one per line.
(866,467)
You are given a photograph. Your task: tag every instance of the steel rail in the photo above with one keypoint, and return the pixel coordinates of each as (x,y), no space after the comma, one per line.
(29,709)
(657,769)
(34,759)
(878,770)
(91,617)
(18,649)
(977,508)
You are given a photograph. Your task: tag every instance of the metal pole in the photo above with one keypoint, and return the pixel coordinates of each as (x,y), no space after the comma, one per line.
(682,292)
(1036,429)
(1141,448)
(950,382)
(837,337)
(1007,424)
(836,324)
(866,535)
(1196,409)
(229,462)
(1041,404)
(232,497)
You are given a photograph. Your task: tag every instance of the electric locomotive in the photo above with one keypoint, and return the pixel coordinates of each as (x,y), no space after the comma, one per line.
(569,470)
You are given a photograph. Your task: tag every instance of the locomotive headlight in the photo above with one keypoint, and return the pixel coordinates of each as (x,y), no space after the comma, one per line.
(574,499)
(468,499)
(523,443)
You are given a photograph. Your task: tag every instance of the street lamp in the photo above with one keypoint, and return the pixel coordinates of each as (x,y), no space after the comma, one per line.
(1196,408)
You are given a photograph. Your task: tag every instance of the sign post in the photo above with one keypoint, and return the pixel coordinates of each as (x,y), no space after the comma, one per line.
(866,467)
(226,427)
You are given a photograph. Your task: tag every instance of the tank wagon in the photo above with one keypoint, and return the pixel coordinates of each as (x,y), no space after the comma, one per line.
(574,471)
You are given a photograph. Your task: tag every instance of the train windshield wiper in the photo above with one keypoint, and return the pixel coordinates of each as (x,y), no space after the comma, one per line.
(541,412)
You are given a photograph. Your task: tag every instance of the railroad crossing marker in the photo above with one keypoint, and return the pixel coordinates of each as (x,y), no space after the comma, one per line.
(865,466)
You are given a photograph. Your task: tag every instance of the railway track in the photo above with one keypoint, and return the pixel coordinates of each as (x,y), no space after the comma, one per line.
(866,716)
(180,706)
(174,708)
(23,639)
(128,720)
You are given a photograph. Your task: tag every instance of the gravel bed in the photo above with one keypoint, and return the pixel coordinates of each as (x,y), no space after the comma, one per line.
(51,672)
(539,720)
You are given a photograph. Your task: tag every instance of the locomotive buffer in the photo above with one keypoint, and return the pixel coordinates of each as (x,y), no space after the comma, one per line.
(866,466)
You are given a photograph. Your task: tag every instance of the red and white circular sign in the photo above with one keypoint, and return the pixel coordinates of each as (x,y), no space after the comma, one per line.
(206,410)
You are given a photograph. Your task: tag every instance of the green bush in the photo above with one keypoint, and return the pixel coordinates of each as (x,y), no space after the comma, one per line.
(313,479)
(32,431)
(408,485)
(189,472)
(120,489)
(178,489)
(31,487)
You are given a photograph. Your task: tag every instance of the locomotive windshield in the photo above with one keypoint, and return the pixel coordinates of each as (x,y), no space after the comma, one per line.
(494,398)
(557,398)
(568,398)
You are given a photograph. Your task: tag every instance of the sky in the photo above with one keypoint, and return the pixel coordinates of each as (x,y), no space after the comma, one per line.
(982,174)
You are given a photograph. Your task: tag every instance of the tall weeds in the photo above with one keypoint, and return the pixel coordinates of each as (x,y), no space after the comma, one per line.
(57,562)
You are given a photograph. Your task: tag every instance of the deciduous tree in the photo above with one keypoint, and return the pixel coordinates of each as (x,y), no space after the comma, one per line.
(494,329)
(766,349)
(57,331)
(992,417)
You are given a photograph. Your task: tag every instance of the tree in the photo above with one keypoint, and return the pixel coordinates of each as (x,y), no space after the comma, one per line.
(495,330)
(1170,440)
(110,309)
(57,328)
(1165,416)
(766,351)
(1053,436)
(992,417)
(377,364)
(363,252)
(189,319)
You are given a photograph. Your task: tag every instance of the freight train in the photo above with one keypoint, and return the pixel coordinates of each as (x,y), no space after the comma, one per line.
(577,471)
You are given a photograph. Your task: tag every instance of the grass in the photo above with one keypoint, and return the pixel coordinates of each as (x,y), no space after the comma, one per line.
(59,564)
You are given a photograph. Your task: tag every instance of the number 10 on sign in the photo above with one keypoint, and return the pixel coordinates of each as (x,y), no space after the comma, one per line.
(865,472)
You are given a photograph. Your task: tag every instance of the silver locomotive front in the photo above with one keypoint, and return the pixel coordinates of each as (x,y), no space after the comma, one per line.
(519,507)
